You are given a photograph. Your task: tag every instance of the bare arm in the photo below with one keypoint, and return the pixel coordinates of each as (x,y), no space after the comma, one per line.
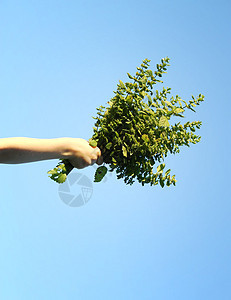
(18,150)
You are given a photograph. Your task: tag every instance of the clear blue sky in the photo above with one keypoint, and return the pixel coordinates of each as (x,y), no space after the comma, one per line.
(59,60)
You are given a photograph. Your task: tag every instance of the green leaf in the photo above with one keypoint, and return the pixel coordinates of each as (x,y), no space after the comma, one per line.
(145,137)
(100,173)
(124,151)
(52,172)
(164,122)
(61,178)
(149,99)
(160,167)
(149,72)
(169,103)
(130,76)
(167,172)
(92,143)
(108,146)
(162,183)
(178,110)
(122,84)
(113,159)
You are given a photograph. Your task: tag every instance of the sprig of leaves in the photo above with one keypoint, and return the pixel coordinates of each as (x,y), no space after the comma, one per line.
(134,132)
(60,172)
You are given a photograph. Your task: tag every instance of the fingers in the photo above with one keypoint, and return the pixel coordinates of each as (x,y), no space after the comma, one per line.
(97,157)
(99,160)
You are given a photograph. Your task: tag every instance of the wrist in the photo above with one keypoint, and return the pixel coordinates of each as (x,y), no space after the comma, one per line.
(65,148)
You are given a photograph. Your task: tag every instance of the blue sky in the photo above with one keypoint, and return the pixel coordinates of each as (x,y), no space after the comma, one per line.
(59,60)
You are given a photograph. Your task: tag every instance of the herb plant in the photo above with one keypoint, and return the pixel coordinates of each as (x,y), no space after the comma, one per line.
(134,132)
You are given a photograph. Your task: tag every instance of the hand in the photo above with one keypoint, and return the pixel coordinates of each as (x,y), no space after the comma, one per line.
(83,155)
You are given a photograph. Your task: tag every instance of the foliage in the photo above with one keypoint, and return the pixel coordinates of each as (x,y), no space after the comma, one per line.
(134,131)
(59,174)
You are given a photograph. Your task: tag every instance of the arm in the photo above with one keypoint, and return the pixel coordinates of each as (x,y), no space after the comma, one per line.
(18,150)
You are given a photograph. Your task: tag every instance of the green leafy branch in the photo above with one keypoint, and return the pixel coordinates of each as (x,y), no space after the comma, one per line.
(134,131)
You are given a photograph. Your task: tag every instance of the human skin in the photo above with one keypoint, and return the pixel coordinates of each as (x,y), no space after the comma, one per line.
(17,150)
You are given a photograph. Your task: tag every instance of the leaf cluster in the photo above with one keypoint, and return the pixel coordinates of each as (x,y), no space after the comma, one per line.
(136,130)
(60,172)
